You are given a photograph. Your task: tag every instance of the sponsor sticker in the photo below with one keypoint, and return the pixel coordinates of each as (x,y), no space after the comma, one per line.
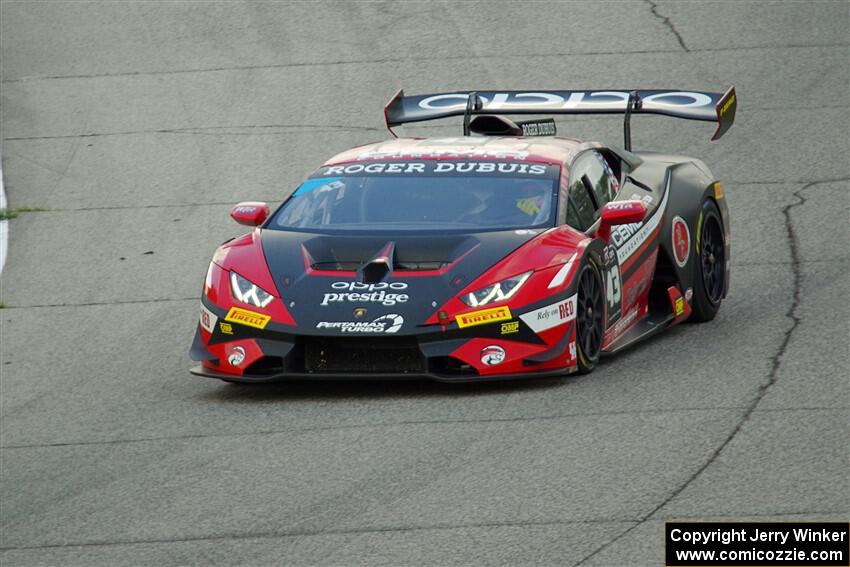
(226,328)
(492,355)
(725,108)
(545,127)
(623,323)
(699,228)
(207,319)
(680,306)
(384,293)
(551,316)
(510,327)
(681,241)
(384,324)
(432,167)
(248,318)
(629,237)
(237,355)
(555,100)
(483,317)
(718,190)
(437,153)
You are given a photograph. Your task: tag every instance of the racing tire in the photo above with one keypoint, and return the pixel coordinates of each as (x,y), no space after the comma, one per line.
(590,318)
(709,265)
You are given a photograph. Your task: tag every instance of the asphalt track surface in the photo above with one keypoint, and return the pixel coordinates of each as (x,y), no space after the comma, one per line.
(139,125)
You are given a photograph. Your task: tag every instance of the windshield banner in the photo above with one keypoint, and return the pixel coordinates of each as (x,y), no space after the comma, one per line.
(436,168)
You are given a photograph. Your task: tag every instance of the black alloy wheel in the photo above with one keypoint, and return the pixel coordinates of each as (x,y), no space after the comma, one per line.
(590,318)
(709,265)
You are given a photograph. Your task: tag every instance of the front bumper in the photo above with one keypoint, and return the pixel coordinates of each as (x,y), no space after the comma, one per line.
(286,376)
(329,358)
(233,350)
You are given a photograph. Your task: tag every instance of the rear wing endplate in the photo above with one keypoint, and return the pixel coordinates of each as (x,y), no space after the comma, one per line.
(691,105)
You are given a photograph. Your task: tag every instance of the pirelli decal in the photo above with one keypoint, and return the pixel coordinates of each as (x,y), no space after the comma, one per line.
(483,317)
(249,318)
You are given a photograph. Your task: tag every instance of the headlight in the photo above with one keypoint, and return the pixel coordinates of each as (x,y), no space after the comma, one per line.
(246,292)
(505,289)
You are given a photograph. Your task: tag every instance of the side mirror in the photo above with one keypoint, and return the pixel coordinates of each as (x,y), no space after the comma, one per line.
(250,213)
(620,212)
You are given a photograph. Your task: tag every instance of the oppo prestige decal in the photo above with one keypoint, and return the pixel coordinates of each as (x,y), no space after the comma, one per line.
(385,293)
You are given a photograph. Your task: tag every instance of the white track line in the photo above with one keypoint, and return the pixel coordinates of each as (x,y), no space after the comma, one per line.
(4,225)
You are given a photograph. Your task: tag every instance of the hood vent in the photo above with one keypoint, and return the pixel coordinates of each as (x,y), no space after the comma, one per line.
(379,266)
(408,253)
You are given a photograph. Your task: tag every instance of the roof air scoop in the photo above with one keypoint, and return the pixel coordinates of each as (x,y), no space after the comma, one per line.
(379,266)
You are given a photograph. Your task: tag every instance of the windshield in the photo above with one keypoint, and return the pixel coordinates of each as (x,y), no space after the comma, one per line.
(423,195)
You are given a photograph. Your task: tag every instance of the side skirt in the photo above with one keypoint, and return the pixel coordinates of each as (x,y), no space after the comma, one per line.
(643,329)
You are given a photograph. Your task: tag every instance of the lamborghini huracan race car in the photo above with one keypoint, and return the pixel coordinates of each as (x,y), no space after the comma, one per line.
(507,252)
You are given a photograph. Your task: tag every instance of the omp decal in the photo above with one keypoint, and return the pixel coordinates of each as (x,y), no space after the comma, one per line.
(681,241)
(562,274)
(384,324)
(483,316)
(208,319)
(248,318)
(551,316)
(510,328)
(631,243)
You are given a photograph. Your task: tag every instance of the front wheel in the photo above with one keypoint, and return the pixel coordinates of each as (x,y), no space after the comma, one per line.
(590,318)
(710,265)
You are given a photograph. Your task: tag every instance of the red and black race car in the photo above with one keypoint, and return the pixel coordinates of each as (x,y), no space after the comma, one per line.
(507,252)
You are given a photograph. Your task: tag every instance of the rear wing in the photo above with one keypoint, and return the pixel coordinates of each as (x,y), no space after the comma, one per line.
(691,105)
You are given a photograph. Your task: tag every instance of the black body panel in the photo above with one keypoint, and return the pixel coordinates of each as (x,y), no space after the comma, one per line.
(312,293)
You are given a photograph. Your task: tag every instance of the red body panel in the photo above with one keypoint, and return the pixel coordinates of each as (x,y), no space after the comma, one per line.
(551,249)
